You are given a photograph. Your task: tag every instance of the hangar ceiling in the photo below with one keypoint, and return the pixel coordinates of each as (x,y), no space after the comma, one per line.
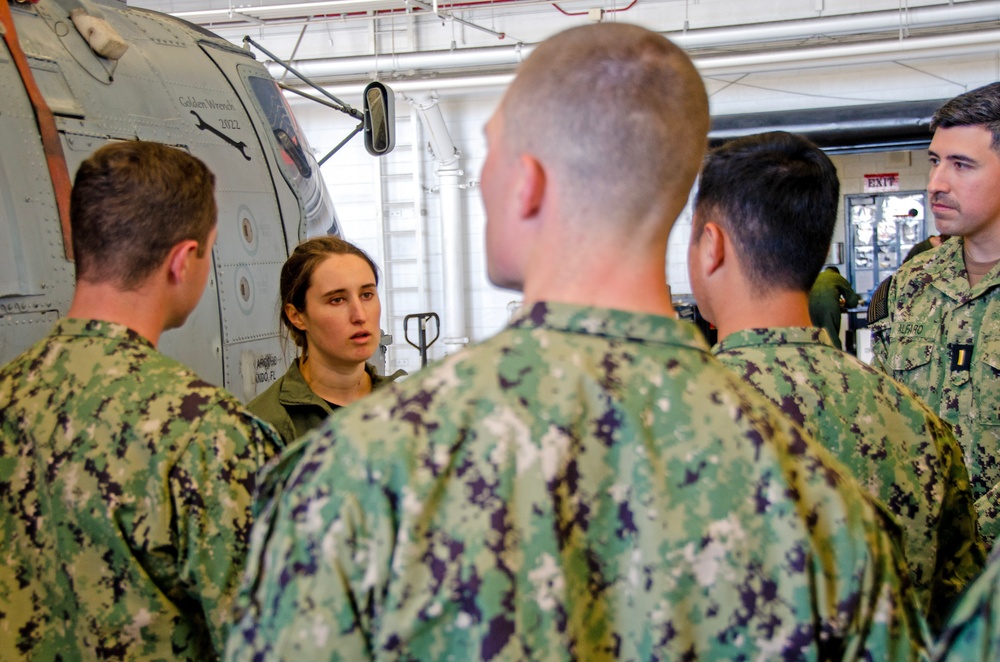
(771,56)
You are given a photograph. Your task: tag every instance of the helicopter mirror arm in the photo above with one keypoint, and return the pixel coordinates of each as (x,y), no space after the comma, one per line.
(343,142)
(340,105)
(322,102)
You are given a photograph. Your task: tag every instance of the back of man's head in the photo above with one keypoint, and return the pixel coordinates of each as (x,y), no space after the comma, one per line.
(776,196)
(617,114)
(979,107)
(131,203)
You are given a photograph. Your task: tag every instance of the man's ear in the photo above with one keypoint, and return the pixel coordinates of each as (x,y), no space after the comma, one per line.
(532,182)
(713,246)
(179,258)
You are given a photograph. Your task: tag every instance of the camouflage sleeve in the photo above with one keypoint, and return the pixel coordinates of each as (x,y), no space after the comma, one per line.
(973,630)
(988,507)
(885,602)
(212,486)
(880,321)
(907,635)
(338,547)
(961,553)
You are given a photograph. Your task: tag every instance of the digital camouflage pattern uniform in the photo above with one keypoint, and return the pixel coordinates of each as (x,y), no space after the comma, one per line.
(895,446)
(941,338)
(125,488)
(588,484)
(973,631)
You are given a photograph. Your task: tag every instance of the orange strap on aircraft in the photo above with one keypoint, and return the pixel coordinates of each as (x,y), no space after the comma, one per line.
(46,127)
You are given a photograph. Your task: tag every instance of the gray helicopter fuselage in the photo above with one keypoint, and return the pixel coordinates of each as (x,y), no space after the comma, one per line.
(179,85)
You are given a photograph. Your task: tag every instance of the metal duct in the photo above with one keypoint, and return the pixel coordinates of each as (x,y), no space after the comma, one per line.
(848,128)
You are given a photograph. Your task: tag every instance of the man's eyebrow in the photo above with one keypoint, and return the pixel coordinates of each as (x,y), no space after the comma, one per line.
(961,158)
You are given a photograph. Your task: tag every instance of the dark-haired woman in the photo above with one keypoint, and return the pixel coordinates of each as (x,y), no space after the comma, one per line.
(330,308)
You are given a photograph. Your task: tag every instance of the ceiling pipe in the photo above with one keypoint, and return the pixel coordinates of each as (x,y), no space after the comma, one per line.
(307,12)
(454,85)
(882,21)
(386,64)
(965,43)
(959,44)
(369,66)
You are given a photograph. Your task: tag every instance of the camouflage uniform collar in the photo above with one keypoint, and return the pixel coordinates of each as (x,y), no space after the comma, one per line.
(945,269)
(608,323)
(788,335)
(91,328)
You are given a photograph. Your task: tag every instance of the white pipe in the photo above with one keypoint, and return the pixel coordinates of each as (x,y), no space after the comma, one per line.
(372,66)
(851,54)
(287,10)
(459,84)
(387,63)
(454,335)
(917,17)
(419,215)
(419,209)
(959,44)
(442,145)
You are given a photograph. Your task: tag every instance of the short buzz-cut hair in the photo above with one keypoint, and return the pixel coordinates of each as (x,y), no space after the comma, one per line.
(776,195)
(131,203)
(978,107)
(620,111)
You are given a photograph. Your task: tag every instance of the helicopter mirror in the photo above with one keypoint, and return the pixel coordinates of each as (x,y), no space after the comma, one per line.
(380,119)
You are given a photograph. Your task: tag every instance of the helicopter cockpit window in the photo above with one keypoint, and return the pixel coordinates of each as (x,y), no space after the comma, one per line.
(286,131)
(297,163)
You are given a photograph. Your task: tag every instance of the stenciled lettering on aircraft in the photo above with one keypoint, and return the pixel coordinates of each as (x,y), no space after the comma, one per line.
(193,102)
(265,365)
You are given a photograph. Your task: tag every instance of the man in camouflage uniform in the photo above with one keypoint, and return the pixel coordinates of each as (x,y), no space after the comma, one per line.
(589,483)
(765,214)
(125,480)
(936,323)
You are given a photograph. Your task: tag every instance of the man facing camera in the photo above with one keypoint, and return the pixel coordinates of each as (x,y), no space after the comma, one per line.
(589,483)
(764,217)
(936,323)
(125,480)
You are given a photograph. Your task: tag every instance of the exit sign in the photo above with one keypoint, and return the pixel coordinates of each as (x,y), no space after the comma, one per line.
(884,181)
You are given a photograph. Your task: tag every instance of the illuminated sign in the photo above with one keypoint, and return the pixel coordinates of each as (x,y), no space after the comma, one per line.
(885,181)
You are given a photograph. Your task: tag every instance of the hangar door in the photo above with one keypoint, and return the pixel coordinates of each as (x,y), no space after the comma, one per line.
(881,229)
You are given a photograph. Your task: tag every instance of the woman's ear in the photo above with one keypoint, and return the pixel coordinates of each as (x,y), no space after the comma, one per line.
(295,317)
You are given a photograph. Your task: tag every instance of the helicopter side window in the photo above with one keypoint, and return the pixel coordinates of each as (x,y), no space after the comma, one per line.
(279,116)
